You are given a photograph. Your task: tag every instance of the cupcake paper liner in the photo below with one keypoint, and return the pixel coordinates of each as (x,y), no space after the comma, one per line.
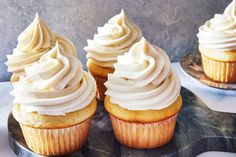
(59,141)
(101,88)
(218,70)
(144,135)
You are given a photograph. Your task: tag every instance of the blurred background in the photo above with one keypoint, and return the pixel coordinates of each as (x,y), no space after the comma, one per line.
(169,24)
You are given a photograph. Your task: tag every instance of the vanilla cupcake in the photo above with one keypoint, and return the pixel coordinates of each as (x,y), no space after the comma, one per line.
(113,39)
(217,46)
(33,42)
(54,103)
(143,97)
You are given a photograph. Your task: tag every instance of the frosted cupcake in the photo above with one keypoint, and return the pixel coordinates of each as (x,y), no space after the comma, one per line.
(113,39)
(217,45)
(54,103)
(33,42)
(143,97)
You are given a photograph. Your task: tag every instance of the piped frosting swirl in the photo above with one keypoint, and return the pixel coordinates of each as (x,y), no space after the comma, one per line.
(33,42)
(220,31)
(55,85)
(113,39)
(143,79)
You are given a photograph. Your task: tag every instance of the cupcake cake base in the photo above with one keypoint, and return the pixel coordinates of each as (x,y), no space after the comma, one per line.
(219,71)
(192,65)
(197,130)
(100,76)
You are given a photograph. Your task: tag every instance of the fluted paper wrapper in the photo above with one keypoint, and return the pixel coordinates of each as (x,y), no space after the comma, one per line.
(218,70)
(101,88)
(144,135)
(58,141)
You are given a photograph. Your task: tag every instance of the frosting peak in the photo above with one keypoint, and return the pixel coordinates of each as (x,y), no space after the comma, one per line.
(36,37)
(55,85)
(143,79)
(51,64)
(112,28)
(144,48)
(231,9)
(33,42)
(113,39)
(220,31)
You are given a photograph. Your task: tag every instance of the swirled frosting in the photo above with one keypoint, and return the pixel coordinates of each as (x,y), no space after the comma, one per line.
(220,31)
(113,39)
(55,85)
(67,45)
(33,42)
(143,79)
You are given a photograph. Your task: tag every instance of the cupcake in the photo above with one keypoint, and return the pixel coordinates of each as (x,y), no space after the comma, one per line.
(33,42)
(217,46)
(113,39)
(54,103)
(143,97)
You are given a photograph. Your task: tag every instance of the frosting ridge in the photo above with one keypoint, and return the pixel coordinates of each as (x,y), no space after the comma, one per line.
(143,79)
(220,31)
(55,85)
(33,42)
(113,39)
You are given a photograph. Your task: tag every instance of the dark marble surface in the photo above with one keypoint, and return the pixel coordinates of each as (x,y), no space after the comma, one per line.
(170,24)
(192,65)
(198,129)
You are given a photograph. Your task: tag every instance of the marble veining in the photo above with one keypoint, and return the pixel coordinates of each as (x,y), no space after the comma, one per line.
(198,129)
(192,65)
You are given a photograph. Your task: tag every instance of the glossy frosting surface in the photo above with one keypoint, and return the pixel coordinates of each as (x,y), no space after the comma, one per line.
(55,85)
(143,79)
(33,42)
(113,39)
(220,31)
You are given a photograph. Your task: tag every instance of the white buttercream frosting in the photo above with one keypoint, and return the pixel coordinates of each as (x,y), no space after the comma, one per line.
(220,31)
(33,42)
(113,39)
(143,79)
(55,85)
